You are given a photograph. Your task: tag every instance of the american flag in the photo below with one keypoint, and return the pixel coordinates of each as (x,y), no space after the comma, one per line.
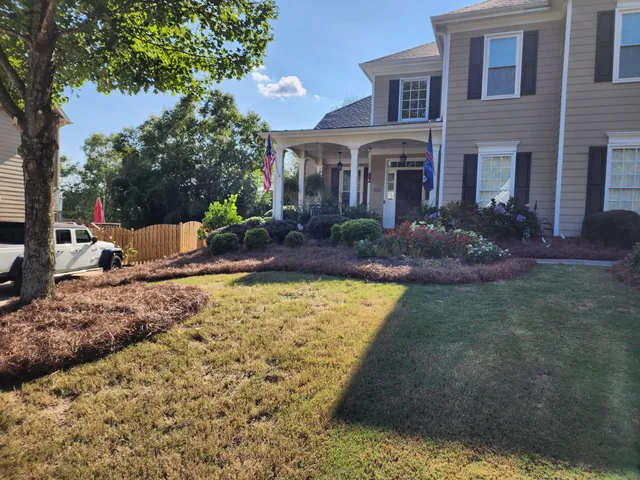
(269,159)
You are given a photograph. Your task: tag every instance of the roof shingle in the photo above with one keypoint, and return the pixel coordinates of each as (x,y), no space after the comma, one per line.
(423,51)
(489,4)
(356,114)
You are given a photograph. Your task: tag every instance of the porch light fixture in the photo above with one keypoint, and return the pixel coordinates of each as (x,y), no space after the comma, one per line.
(339,161)
(403,157)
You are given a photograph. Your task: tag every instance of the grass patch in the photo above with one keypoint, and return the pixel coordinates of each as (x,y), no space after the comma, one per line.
(296,376)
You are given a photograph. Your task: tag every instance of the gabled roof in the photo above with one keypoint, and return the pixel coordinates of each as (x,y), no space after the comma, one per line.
(423,51)
(356,114)
(489,4)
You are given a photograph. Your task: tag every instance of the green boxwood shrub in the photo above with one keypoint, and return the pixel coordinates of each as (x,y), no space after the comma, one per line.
(336,234)
(256,239)
(360,229)
(239,230)
(634,258)
(253,222)
(279,229)
(223,243)
(294,240)
(618,228)
(320,226)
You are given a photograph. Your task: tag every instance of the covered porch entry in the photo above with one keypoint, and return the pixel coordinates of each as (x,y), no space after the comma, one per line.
(388,161)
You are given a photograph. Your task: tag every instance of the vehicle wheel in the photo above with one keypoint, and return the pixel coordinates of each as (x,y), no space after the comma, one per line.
(115,262)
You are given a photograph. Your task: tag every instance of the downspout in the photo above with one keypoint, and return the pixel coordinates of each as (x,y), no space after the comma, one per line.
(443,113)
(563,118)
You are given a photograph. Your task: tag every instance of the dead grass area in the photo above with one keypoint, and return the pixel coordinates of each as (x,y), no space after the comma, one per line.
(563,248)
(625,274)
(83,323)
(340,262)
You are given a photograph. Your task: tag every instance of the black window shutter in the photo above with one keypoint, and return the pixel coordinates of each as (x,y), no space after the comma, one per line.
(394,99)
(435,98)
(469,178)
(529,63)
(523,179)
(596,178)
(604,46)
(366,185)
(476,61)
(335,184)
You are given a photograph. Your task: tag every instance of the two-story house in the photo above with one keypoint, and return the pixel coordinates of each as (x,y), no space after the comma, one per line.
(533,99)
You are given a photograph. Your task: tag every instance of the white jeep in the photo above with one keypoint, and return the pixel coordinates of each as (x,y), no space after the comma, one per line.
(76,250)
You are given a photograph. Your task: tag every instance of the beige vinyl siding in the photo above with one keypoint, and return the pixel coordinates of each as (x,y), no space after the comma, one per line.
(592,110)
(11,179)
(533,120)
(381,95)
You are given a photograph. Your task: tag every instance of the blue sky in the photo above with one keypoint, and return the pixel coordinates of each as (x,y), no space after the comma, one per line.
(321,42)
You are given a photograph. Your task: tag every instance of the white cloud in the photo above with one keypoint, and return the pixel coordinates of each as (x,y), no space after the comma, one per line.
(286,87)
(261,67)
(317,97)
(260,77)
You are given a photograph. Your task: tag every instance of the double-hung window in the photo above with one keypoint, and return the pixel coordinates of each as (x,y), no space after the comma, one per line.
(414,99)
(623,173)
(627,44)
(496,172)
(502,66)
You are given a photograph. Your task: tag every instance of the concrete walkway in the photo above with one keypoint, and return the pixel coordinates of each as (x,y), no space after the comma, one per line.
(589,263)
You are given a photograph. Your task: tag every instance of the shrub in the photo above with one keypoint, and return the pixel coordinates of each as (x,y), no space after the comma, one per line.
(320,226)
(620,228)
(253,222)
(360,229)
(279,229)
(313,185)
(365,249)
(221,214)
(336,234)
(239,230)
(223,243)
(294,240)
(256,239)
(634,258)
(360,211)
(289,212)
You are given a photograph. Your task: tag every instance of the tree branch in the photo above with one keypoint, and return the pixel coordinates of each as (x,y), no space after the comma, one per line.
(8,103)
(11,73)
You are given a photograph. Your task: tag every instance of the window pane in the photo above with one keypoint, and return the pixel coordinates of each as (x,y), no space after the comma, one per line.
(503,52)
(82,236)
(346,181)
(63,237)
(495,181)
(501,81)
(630,62)
(631,29)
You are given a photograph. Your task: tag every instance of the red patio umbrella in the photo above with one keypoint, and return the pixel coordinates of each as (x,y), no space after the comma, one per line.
(98,212)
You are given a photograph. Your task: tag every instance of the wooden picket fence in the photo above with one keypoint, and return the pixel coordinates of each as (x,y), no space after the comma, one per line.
(154,242)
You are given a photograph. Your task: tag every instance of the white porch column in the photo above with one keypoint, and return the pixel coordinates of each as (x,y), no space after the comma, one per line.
(278,186)
(353,192)
(302,163)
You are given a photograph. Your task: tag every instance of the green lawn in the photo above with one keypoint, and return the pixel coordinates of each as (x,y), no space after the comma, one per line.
(295,376)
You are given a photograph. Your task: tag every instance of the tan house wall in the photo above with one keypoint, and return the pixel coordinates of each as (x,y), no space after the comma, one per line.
(11,179)
(532,120)
(381,95)
(592,110)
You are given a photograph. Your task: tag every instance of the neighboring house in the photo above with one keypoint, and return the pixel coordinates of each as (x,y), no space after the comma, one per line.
(11,176)
(533,99)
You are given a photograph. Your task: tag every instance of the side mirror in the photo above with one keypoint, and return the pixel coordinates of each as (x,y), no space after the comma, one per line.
(94,239)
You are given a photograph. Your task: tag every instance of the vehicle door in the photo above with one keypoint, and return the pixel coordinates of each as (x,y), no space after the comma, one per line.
(86,253)
(64,250)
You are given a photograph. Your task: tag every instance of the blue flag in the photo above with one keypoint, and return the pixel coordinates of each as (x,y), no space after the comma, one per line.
(427,176)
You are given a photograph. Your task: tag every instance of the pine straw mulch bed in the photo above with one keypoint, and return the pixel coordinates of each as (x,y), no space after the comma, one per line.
(83,323)
(563,248)
(625,274)
(336,261)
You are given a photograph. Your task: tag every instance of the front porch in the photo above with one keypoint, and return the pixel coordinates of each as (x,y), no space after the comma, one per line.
(387,182)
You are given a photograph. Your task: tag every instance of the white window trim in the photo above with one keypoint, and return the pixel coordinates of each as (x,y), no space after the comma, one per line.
(617,140)
(622,9)
(485,67)
(426,112)
(497,149)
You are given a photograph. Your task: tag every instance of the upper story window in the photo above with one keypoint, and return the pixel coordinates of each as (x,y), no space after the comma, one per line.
(502,66)
(414,99)
(627,45)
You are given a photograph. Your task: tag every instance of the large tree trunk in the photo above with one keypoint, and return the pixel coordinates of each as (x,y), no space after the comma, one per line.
(38,150)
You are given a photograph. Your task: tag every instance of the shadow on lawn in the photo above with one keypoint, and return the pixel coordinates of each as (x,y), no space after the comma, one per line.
(547,368)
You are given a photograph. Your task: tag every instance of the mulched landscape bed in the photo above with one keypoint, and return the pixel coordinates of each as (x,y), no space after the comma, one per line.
(337,261)
(83,323)
(625,274)
(563,248)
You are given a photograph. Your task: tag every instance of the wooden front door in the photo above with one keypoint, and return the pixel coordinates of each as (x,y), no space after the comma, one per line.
(408,192)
